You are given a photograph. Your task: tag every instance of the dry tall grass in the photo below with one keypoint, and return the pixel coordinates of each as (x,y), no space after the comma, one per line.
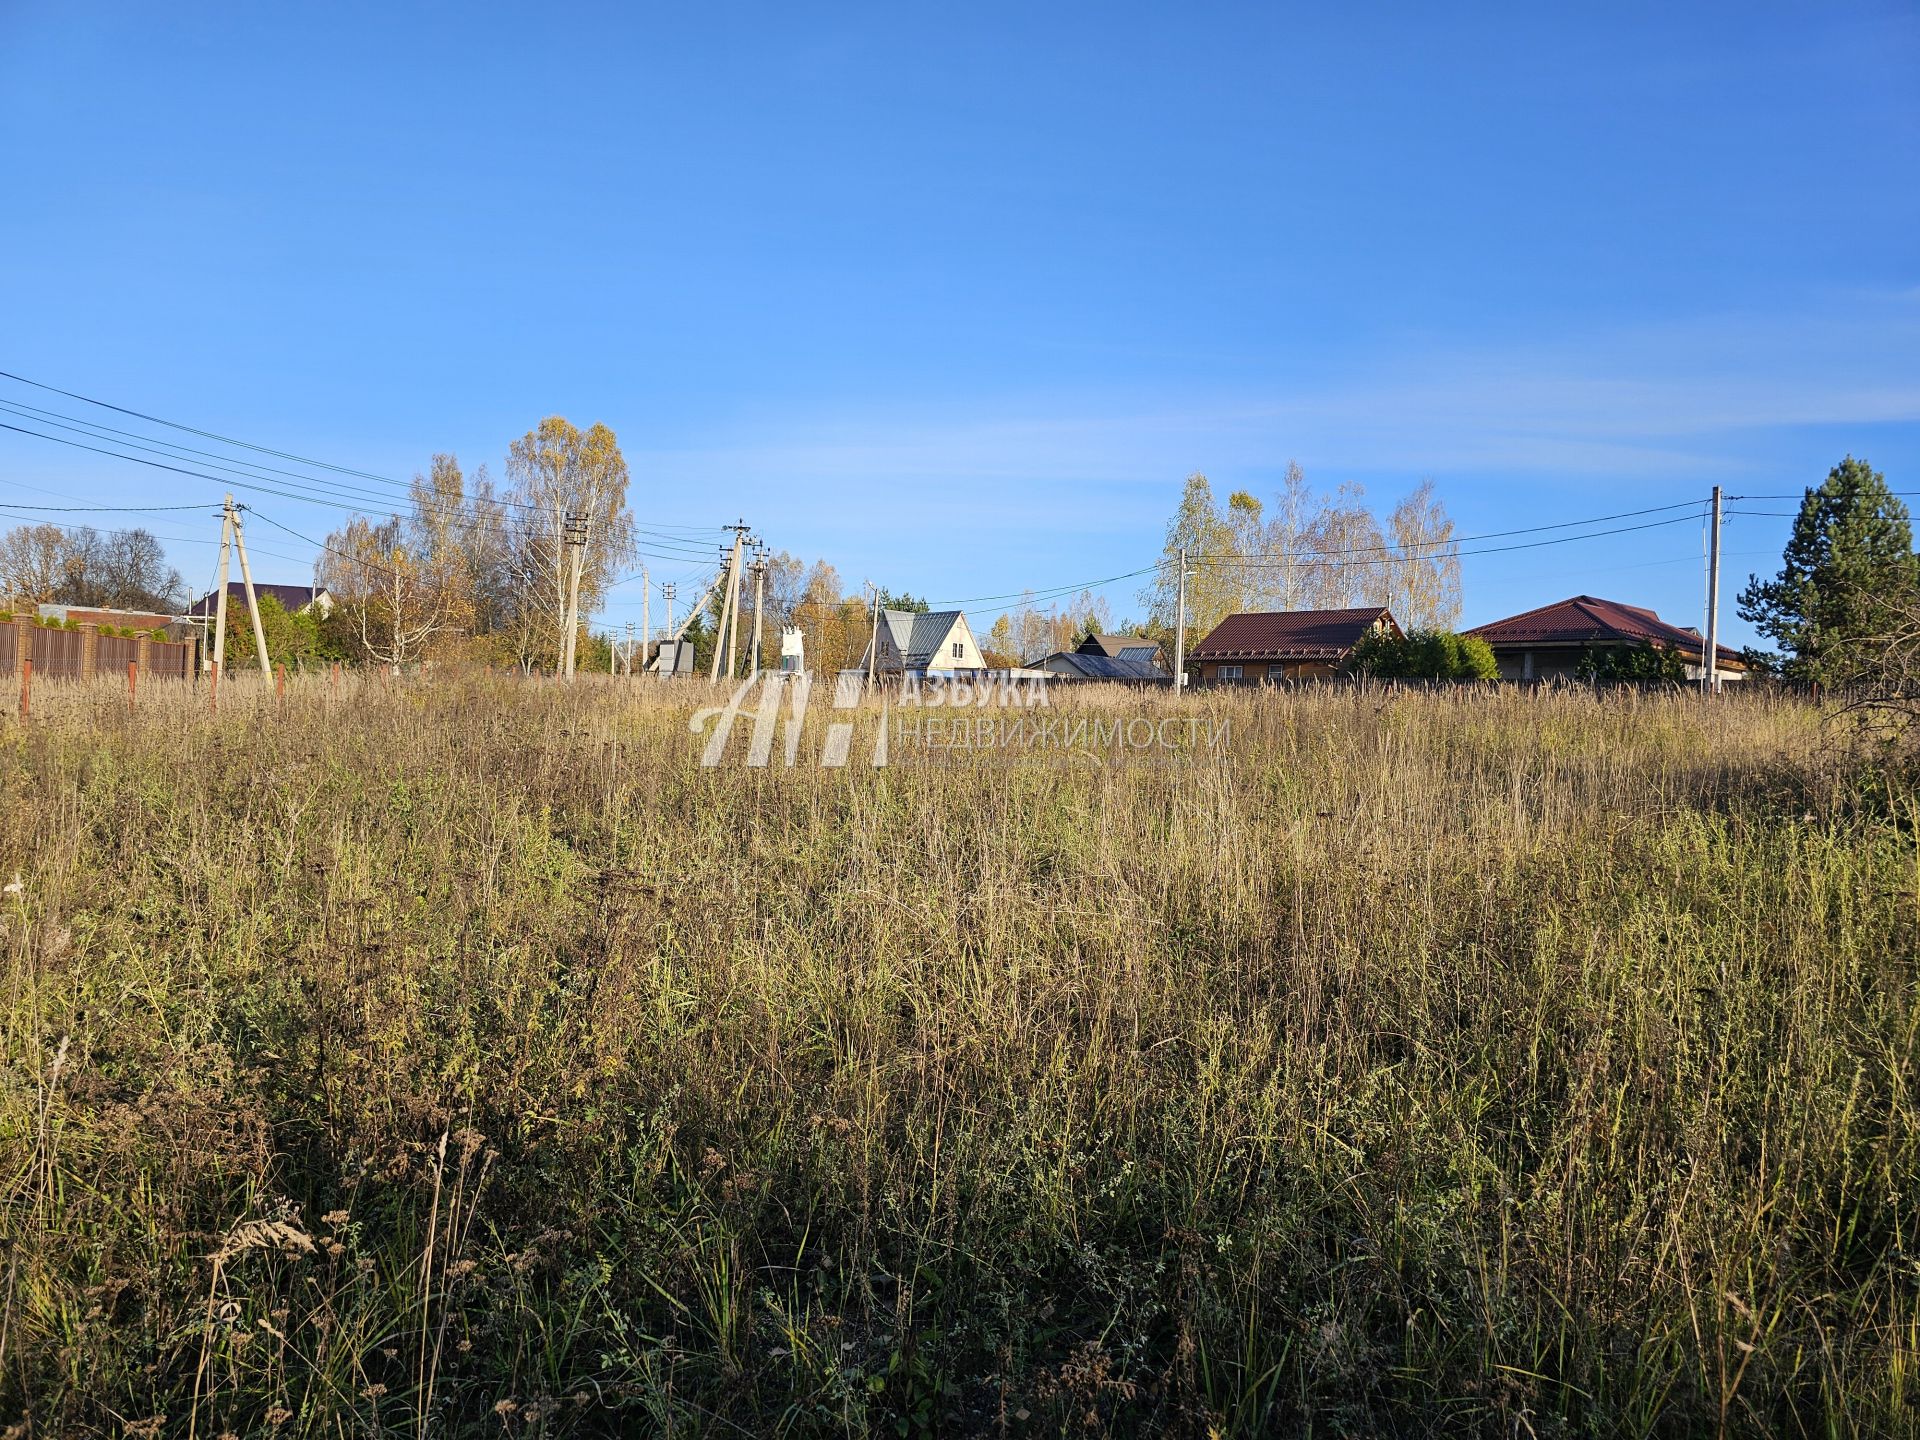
(467,1060)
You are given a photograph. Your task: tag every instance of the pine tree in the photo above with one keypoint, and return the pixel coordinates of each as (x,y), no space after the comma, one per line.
(1848,567)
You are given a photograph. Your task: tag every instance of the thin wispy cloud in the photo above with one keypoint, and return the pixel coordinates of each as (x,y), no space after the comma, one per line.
(1680,400)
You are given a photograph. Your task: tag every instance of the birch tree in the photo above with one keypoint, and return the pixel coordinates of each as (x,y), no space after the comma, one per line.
(1424,577)
(1199,528)
(557,471)
(397,600)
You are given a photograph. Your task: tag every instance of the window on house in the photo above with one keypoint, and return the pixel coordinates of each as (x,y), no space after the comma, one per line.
(1229,672)
(1276,672)
(959,651)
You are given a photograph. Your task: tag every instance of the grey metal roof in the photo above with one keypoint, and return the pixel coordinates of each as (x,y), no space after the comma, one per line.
(1079,664)
(1121,647)
(918,634)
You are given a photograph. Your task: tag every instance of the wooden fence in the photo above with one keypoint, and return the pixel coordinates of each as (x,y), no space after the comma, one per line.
(84,653)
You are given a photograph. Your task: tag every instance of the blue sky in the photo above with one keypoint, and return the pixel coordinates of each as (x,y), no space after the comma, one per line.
(955,296)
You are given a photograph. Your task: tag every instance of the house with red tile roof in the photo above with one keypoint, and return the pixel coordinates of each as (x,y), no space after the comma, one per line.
(1547,643)
(1265,645)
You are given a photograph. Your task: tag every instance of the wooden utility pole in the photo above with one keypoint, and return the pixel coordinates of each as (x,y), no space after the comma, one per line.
(253,605)
(1180,626)
(1710,662)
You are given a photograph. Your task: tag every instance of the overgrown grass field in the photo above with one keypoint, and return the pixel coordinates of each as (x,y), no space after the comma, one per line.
(464,1059)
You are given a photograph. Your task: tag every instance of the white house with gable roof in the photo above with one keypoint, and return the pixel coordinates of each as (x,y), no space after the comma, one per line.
(933,642)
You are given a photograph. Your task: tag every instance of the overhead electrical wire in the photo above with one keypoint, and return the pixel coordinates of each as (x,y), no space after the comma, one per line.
(661,541)
(101,509)
(204,434)
(174,539)
(232,481)
(328,489)
(1390,554)
(1486,535)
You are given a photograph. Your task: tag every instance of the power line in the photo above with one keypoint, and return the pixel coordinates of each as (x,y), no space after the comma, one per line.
(1904,494)
(1056,591)
(321,544)
(1485,535)
(159,535)
(101,509)
(204,434)
(427,506)
(92,428)
(338,498)
(95,431)
(1049,591)
(1463,554)
(181,470)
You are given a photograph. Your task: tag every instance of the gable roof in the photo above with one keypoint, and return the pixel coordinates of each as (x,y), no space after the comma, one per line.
(1588,620)
(1080,664)
(919,634)
(1290,634)
(1135,647)
(291,597)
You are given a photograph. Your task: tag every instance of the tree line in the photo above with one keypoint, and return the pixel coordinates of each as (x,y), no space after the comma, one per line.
(468,570)
(105,570)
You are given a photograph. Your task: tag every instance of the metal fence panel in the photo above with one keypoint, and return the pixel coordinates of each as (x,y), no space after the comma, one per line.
(57,654)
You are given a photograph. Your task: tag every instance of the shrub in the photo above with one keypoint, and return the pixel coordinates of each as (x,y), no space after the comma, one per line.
(1634,665)
(1424,655)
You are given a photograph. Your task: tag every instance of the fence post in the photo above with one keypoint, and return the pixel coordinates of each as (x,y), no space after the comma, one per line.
(280,684)
(133,670)
(89,649)
(26,684)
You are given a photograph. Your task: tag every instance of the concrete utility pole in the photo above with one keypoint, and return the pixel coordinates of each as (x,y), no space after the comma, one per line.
(646,597)
(575,537)
(1710,662)
(670,589)
(759,607)
(720,630)
(1180,626)
(733,636)
(728,638)
(873,640)
(246,579)
(711,589)
(219,652)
